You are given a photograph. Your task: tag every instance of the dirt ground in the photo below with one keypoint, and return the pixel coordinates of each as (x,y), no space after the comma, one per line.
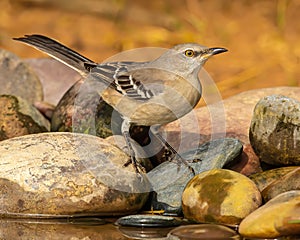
(262,36)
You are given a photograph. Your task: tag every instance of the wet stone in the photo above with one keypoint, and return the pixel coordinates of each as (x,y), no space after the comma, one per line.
(169,179)
(264,179)
(220,196)
(18,118)
(288,182)
(63,174)
(142,220)
(278,217)
(275,130)
(202,231)
(17,78)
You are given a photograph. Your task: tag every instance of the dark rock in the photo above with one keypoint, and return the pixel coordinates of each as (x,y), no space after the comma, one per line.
(264,179)
(202,231)
(142,220)
(275,130)
(220,196)
(288,182)
(17,78)
(18,118)
(169,179)
(82,110)
(63,174)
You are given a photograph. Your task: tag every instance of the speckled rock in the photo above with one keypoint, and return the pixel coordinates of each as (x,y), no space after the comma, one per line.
(278,217)
(288,182)
(82,110)
(275,130)
(17,78)
(264,179)
(18,117)
(60,174)
(169,179)
(220,196)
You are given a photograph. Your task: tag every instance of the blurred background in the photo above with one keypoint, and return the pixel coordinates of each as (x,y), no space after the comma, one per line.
(263,36)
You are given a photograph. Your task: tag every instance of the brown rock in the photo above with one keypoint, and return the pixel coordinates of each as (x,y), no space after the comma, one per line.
(18,117)
(288,182)
(264,179)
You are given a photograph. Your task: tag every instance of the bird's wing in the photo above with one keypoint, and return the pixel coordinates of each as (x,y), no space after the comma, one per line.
(130,83)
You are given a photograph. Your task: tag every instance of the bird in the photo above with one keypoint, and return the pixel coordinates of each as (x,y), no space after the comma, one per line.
(151,93)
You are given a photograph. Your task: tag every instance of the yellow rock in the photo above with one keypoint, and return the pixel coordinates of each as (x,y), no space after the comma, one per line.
(278,217)
(221,196)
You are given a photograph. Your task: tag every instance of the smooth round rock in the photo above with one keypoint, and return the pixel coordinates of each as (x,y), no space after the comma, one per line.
(17,78)
(275,130)
(202,231)
(62,174)
(82,110)
(278,217)
(142,220)
(290,181)
(18,117)
(220,196)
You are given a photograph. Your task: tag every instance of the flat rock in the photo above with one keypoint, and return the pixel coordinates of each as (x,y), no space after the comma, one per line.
(278,217)
(17,78)
(18,117)
(143,220)
(220,196)
(169,179)
(62,174)
(275,130)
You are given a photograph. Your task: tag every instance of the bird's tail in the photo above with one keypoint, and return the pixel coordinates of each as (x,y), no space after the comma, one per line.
(58,51)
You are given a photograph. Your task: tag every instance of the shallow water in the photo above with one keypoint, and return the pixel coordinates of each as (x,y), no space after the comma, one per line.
(37,229)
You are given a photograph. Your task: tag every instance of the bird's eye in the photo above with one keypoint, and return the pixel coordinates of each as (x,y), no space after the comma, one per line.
(189,53)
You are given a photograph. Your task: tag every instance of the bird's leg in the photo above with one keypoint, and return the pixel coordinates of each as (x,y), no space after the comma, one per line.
(125,131)
(154,130)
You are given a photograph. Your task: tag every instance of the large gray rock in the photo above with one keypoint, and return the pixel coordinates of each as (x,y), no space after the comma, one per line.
(275,130)
(61,174)
(17,78)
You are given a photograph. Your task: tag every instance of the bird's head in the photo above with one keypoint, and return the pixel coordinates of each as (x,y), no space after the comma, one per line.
(188,57)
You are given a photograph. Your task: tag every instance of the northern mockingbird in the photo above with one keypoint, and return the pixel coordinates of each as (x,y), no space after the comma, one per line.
(144,93)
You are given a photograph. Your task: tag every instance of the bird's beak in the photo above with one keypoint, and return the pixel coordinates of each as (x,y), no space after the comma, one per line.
(217,50)
(213,51)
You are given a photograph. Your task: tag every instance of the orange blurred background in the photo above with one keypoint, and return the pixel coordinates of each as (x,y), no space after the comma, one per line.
(263,37)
